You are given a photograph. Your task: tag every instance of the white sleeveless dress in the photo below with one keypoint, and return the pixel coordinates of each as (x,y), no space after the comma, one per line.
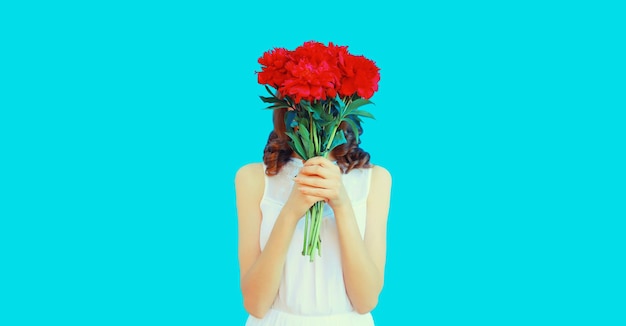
(312,293)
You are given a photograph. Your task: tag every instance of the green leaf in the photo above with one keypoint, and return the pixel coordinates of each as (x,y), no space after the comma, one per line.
(339,139)
(357,104)
(326,116)
(362,113)
(267,99)
(306,106)
(355,128)
(278,106)
(317,110)
(339,103)
(305,137)
(269,91)
(316,131)
(301,120)
(290,116)
(318,106)
(327,124)
(296,145)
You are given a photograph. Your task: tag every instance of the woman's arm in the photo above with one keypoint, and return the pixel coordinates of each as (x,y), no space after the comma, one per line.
(261,271)
(363,260)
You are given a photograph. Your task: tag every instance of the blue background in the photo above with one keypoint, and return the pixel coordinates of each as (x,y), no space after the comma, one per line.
(122,125)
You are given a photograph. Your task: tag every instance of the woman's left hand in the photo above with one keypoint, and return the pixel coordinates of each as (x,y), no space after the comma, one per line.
(322,178)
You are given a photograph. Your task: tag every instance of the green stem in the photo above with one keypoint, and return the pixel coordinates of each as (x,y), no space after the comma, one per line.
(309,243)
(312,134)
(319,246)
(332,137)
(316,221)
(306,227)
(319,226)
(315,136)
(312,227)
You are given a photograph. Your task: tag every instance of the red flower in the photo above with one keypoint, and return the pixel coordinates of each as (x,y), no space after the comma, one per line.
(314,71)
(360,76)
(273,63)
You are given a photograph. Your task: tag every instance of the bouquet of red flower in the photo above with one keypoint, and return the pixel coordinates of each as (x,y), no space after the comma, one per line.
(320,86)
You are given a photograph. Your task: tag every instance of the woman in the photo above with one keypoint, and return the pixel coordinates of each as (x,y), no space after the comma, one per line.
(280,286)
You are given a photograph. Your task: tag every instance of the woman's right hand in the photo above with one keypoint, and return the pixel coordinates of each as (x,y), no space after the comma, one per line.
(298,203)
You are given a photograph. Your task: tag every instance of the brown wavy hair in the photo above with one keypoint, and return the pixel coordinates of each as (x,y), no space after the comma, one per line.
(277,152)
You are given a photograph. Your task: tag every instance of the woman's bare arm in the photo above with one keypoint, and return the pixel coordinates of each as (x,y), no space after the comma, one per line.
(261,271)
(363,260)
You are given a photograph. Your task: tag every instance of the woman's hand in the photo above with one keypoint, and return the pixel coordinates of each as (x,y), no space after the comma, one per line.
(320,178)
(300,201)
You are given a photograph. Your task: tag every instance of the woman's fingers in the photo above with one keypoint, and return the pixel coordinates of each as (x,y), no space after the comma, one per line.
(321,167)
(320,177)
(313,181)
(315,170)
(319,160)
(320,194)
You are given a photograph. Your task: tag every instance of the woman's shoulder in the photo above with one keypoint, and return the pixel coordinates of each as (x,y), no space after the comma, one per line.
(250,170)
(380,174)
(250,175)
